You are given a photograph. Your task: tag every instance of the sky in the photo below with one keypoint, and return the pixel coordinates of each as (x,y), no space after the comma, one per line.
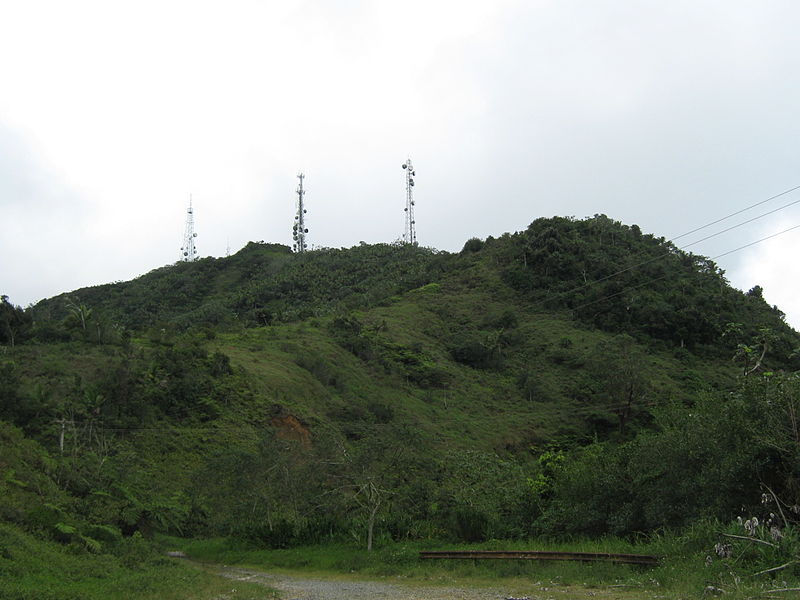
(669,115)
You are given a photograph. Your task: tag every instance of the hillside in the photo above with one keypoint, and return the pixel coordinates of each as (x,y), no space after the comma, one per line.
(608,275)
(259,284)
(289,398)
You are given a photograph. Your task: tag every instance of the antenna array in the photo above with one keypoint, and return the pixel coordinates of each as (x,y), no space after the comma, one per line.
(299,229)
(410,234)
(189,250)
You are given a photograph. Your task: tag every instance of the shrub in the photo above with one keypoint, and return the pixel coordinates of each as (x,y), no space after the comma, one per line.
(469,524)
(472,245)
(472,350)
(279,534)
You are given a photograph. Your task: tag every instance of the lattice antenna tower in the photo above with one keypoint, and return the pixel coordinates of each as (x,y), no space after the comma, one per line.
(189,249)
(299,229)
(410,234)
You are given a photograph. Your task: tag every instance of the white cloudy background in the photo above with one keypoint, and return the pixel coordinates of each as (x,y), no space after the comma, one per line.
(665,114)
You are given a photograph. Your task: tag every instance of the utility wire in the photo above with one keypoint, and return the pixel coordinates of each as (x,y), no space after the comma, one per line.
(769,237)
(738,212)
(622,291)
(646,283)
(742,223)
(708,237)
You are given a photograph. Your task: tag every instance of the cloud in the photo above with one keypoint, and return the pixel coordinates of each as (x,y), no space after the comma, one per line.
(667,115)
(41,224)
(773,265)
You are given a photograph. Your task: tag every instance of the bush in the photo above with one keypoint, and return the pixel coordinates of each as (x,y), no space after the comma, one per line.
(104,533)
(347,332)
(318,367)
(472,245)
(472,350)
(280,534)
(469,524)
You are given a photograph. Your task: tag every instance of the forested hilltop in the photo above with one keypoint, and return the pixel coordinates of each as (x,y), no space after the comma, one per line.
(578,377)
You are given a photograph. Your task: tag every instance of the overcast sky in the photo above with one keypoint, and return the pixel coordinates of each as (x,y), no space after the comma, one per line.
(669,115)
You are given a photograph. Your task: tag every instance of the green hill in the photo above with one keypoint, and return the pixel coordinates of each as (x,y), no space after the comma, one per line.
(607,275)
(514,388)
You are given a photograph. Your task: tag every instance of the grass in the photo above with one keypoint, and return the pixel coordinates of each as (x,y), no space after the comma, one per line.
(683,573)
(33,569)
(401,561)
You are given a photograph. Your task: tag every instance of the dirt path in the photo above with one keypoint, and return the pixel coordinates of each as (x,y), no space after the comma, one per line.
(308,588)
(295,588)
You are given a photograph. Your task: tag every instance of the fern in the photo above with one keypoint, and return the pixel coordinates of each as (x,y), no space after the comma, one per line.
(91,544)
(65,529)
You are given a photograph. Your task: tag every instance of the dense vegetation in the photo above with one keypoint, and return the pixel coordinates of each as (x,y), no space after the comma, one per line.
(578,378)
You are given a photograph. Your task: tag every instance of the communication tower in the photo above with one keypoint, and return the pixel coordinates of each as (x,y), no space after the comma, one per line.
(299,229)
(189,250)
(410,235)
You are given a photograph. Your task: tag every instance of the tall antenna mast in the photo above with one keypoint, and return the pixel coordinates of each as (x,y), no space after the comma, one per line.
(299,229)
(410,234)
(189,250)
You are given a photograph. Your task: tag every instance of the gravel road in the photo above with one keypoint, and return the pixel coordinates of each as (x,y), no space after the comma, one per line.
(294,588)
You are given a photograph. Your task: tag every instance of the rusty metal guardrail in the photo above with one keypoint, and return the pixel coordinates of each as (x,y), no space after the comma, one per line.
(631,559)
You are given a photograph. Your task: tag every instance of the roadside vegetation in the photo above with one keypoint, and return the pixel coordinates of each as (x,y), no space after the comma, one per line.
(690,566)
(35,569)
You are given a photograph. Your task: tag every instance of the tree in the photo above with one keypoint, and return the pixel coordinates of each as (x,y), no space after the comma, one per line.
(699,461)
(9,391)
(368,475)
(621,371)
(13,322)
(751,354)
(481,495)
(772,405)
(80,312)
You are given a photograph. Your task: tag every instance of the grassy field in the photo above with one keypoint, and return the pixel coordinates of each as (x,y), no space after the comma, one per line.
(685,570)
(32,569)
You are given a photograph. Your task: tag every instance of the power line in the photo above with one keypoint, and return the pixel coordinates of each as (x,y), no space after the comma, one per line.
(742,223)
(738,212)
(665,276)
(769,237)
(668,253)
(622,291)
